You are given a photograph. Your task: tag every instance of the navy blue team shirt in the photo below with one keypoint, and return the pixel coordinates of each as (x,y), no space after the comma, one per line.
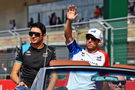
(32,60)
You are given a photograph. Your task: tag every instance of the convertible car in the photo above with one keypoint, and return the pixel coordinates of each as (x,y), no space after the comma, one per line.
(116,77)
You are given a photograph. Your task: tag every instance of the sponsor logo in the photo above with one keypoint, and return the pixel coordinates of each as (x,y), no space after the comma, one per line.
(99,58)
(28,53)
(83,54)
(94,31)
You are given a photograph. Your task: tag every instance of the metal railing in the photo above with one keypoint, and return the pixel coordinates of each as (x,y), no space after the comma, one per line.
(10,39)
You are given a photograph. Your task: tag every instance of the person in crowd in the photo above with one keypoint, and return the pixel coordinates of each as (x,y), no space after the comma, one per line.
(59,20)
(131,8)
(4,71)
(13,25)
(32,57)
(91,54)
(30,22)
(97,12)
(3,68)
(53,19)
(118,85)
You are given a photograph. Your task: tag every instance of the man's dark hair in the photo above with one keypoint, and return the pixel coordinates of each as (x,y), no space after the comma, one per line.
(40,26)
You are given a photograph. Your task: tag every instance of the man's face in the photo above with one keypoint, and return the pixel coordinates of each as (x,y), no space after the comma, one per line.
(91,42)
(119,85)
(36,35)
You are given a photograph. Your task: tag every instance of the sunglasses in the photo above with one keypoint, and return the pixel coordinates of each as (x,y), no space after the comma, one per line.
(89,36)
(34,33)
(117,83)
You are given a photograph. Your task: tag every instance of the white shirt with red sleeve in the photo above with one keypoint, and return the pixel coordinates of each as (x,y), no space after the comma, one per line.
(82,80)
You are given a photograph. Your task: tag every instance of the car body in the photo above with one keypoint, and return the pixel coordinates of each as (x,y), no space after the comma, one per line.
(106,74)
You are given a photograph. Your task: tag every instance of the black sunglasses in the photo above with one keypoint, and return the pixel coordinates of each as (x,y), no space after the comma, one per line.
(89,36)
(35,33)
(117,82)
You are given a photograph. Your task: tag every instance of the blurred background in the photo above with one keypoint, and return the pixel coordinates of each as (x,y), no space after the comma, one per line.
(116,20)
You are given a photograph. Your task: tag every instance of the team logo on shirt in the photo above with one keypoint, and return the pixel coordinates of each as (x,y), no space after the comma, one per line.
(93,63)
(83,54)
(45,54)
(99,58)
(28,53)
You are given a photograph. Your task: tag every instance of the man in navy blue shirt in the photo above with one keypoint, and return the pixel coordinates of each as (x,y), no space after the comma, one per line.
(32,57)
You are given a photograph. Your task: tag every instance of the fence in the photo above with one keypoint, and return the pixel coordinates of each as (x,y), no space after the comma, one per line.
(113,38)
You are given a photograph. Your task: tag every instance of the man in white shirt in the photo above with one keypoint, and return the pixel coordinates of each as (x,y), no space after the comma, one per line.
(91,54)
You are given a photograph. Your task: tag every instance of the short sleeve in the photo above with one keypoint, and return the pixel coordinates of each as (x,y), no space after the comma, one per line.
(51,55)
(20,52)
(19,56)
(107,61)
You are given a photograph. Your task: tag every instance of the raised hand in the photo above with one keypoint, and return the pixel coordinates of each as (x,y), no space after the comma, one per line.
(71,13)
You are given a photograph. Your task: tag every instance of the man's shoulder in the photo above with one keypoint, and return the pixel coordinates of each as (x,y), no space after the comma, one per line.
(102,51)
(50,48)
(25,47)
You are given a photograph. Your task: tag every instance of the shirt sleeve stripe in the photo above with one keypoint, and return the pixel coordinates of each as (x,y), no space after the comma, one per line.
(74,48)
(18,61)
(25,47)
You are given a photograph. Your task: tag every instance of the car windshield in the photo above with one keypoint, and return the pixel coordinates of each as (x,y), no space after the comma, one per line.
(87,77)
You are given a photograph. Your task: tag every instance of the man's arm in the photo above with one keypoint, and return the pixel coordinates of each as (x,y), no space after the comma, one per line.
(71,15)
(14,74)
(53,81)
(54,75)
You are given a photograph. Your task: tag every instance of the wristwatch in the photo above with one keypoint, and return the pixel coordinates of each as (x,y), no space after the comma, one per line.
(18,82)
